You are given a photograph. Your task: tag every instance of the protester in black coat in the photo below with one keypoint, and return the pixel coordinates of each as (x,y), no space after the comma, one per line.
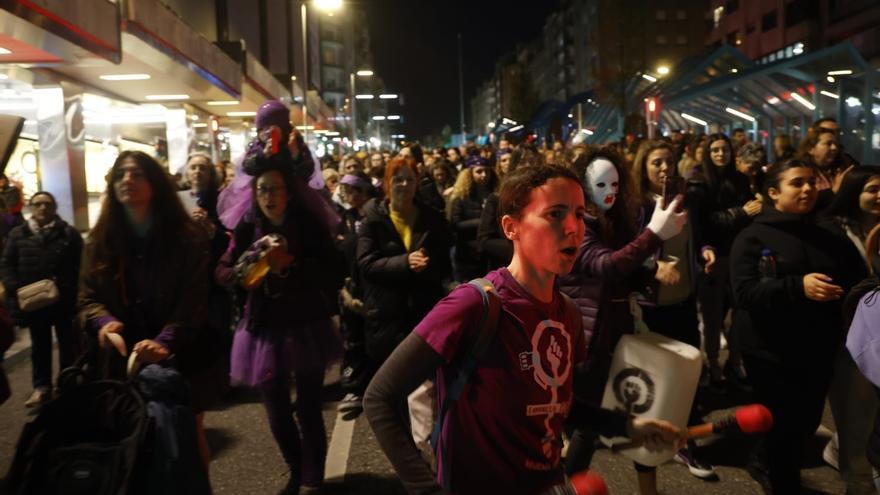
(788,277)
(45,247)
(404,266)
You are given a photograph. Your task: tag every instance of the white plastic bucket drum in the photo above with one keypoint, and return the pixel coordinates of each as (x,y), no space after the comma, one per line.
(652,376)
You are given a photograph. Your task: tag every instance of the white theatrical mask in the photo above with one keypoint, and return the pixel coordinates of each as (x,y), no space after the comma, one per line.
(602,182)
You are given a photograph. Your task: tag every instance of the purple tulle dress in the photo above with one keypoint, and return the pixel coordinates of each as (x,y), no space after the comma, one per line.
(259,356)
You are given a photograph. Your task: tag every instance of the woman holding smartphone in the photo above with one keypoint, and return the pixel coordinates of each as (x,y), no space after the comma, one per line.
(668,299)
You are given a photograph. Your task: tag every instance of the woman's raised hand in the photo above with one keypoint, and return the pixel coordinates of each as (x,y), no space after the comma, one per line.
(667,223)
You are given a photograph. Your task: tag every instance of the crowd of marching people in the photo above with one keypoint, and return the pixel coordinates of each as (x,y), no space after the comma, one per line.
(265,276)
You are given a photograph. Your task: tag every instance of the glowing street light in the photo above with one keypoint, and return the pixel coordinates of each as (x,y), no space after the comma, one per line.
(803,101)
(663,70)
(694,119)
(739,114)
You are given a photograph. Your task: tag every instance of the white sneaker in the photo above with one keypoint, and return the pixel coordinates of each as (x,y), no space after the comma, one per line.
(350,402)
(830,454)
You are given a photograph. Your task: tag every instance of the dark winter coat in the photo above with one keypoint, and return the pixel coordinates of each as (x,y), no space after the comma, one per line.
(428,195)
(395,297)
(156,295)
(723,215)
(775,319)
(28,258)
(496,249)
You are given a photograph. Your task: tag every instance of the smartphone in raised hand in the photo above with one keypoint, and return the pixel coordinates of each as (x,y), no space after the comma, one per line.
(672,187)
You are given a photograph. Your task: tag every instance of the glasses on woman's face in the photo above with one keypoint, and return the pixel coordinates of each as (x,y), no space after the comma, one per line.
(270,190)
(400,180)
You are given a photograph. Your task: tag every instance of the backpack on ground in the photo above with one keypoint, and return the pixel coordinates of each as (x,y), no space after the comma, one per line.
(111,437)
(85,441)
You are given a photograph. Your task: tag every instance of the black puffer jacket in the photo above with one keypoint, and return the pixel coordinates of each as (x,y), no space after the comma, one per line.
(28,258)
(723,213)
(395,297)
(774,317)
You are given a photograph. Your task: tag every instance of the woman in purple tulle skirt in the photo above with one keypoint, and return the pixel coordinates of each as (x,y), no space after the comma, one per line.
(282,256)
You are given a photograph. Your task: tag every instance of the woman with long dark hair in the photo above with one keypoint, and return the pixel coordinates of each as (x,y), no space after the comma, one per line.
(145,274)
(788,276)
(729,206)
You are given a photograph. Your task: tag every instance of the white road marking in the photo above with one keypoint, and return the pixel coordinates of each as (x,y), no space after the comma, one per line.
(340,445)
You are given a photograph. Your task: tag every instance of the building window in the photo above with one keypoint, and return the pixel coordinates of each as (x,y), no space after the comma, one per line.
(660,15)
(731,6)
(661,40)
(681,39)
(769,21)
(733,38)
(800,11)
(681,15)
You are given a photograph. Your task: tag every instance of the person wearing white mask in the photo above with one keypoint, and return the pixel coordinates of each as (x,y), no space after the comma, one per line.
(608,263)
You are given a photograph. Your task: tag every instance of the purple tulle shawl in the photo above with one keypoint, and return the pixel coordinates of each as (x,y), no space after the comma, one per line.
(238,198)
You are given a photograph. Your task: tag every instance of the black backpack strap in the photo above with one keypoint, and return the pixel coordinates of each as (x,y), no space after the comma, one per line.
(476,346)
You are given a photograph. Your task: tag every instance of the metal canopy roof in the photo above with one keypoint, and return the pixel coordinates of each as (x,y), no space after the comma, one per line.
(606,123)
(798,89)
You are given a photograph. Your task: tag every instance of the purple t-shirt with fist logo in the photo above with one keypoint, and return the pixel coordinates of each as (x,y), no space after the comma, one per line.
(504,433)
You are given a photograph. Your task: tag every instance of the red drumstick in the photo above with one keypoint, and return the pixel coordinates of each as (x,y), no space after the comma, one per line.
(583,483)
(750,419)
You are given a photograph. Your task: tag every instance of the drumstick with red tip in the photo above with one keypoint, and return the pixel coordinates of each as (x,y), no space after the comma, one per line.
(583,483)
(750,419)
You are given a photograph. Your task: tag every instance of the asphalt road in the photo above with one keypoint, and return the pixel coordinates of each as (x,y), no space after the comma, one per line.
(246,460)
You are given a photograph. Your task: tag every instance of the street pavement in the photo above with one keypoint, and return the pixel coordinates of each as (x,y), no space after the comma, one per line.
(246,460)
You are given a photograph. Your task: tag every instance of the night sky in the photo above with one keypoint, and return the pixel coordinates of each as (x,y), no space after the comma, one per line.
(415,51)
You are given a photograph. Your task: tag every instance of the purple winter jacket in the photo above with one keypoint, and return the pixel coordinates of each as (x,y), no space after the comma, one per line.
(600,285)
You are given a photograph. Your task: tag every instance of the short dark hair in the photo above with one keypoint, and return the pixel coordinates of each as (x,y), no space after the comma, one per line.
(738,129)
(517,187)
(43,193)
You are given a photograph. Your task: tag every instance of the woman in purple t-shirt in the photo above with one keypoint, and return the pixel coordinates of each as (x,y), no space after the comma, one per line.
(503,434)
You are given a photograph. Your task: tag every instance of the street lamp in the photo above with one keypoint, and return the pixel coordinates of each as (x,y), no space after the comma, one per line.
(328,6)
(354,98)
